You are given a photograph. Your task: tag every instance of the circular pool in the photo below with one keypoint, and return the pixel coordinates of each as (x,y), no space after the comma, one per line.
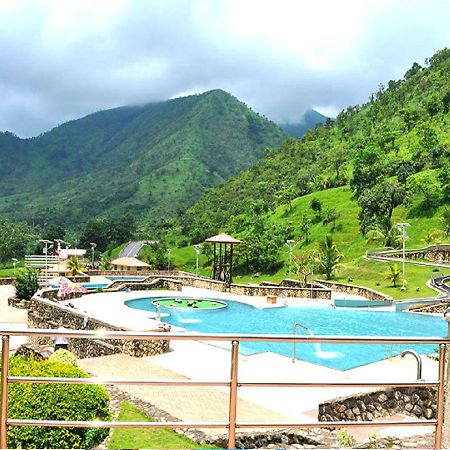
(189,303)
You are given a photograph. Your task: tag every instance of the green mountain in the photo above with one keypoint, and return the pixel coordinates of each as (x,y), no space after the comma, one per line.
(310,119)
(149,160)
(401,137)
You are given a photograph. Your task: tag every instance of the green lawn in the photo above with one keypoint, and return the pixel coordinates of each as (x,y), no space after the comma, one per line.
(348,239)
(162,438)
(8,270)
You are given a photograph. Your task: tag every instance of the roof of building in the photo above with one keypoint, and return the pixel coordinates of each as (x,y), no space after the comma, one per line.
(223,238)
(129,262)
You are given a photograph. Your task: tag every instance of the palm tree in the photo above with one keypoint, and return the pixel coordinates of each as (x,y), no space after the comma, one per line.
(329,257)
(75,266)
(393,274)
(432,235)
(391,237)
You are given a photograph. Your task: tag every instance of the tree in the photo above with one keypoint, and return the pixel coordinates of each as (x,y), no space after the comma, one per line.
(377,205)
(305,226)
(393,274)
(26,284)
(328,257)
(304,266)
(331,216)
(52,232)
(445,221)
(74,265)
(427,184)
(13,239)
(369,167)
(391,237)
(316,206)
(433,235)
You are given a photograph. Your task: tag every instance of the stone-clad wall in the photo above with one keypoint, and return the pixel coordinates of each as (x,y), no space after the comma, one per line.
(5,281)
(415,401)
(435,253)
(369,294)
(43,313)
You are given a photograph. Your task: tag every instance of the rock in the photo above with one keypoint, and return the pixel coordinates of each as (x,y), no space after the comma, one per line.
(342,409)
(409,407)
(38,352)
(382,398)
(417,410)
(428,413)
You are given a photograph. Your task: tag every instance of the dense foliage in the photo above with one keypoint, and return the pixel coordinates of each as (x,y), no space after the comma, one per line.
(26,284)
(14,238)
(152,160)
(54,402)
(392,150)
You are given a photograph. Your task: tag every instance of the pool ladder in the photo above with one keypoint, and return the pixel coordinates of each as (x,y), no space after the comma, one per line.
(294,332)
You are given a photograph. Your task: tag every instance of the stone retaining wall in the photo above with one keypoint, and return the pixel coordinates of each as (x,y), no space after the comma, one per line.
(6,281)
(438,308)
(434,253)
(43,313)
(419,402)
(369,294)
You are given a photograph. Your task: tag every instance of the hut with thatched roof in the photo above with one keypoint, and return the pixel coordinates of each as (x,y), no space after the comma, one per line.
(128,263)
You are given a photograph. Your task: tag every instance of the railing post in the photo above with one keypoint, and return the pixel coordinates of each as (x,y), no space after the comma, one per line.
(233,394)
(4,391)
(440,397)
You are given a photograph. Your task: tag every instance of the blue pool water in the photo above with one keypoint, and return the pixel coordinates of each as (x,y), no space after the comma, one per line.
(127,278)
(321,320)
(95,285)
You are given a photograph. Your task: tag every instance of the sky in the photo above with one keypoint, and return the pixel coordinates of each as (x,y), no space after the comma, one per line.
(64,59)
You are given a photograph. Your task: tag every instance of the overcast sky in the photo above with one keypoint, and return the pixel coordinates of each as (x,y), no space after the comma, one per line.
(63,59)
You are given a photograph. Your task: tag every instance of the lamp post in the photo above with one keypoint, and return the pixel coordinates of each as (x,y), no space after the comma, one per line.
(46,247)
(168,261)
(197,251)
(93,245)
(401,227)
(290,243)
(14,261)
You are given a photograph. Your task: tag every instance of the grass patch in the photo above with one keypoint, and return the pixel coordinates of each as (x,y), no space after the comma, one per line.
(349,241)
(162,438)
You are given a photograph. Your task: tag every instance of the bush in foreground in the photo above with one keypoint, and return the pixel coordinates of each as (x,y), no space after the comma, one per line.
(54,402)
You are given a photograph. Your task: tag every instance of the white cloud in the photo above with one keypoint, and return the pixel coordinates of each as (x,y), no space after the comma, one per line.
(61,60)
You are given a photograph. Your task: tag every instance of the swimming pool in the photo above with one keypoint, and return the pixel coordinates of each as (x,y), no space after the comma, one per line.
(320,320)
(93,286)
(127,278)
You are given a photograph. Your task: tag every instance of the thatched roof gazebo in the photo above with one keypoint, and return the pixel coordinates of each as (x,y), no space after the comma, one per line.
(223,256)
(128,263)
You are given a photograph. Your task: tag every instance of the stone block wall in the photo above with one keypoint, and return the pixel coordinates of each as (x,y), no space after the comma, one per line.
(43,313)
(6,281)
(369,294)
(420,402)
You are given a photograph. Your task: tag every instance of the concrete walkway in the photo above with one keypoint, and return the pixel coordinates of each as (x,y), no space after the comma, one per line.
(12,316)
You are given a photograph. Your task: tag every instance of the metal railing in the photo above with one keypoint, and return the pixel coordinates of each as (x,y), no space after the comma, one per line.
(233,383)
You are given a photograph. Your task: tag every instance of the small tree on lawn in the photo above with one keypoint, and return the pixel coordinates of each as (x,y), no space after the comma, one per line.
(393,274)
(445,221)
(304,266)
(329,257)
(316,206)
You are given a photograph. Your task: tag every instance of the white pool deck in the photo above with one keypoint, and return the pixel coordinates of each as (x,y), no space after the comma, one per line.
(201,361)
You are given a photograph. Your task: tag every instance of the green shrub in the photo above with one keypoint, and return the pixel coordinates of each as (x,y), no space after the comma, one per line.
(54,402)
(64,356)
(26,284)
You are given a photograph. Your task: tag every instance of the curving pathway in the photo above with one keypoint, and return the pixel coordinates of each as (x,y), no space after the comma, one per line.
(438,283)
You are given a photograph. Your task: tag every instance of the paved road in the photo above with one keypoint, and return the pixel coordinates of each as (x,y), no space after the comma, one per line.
(131,249)
(441,284)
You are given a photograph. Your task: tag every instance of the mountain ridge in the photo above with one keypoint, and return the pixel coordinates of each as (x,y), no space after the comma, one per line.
(122,158)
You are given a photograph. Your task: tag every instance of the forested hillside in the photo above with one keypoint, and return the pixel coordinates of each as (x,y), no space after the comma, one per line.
(152,161)
(392,150)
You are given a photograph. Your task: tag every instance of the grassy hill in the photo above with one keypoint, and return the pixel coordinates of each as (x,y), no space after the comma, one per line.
(152,160)
(379,163)
(348,239)
(405,124)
